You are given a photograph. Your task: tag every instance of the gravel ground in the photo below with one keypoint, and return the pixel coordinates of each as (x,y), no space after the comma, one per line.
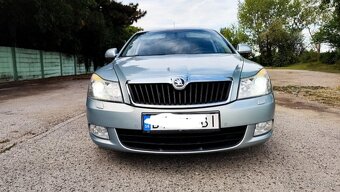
(283,77)
(31,108)
(303,154)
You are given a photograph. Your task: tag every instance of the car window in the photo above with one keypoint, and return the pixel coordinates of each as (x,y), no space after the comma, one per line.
(176,42)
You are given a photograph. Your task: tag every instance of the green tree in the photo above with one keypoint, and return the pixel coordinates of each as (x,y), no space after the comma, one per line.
(285,46)
(235,35)
(330,31)
(86,27)
(274,27)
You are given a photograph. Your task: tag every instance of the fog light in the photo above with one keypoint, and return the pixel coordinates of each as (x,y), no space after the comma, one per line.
(263,127)
(99,131)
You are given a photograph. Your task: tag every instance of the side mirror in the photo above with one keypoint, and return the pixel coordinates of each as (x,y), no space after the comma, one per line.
(111,53)
(243,49)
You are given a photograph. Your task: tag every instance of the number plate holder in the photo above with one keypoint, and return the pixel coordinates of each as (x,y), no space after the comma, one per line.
(180,121)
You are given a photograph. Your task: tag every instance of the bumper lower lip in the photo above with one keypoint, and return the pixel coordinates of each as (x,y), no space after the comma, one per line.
(247,141)
(247,112)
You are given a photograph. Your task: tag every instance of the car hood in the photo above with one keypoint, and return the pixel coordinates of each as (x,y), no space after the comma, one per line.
(163,68)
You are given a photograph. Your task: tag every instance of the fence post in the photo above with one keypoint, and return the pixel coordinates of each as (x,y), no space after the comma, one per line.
(15,69)
(42,64)
(61,64)
(75,64)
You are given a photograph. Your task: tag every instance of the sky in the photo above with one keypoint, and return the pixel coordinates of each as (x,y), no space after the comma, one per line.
(212,14)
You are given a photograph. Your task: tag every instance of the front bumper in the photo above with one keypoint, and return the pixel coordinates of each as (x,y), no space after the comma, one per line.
(245,112)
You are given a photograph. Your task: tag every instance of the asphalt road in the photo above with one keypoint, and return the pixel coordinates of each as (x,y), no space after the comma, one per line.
(44,146)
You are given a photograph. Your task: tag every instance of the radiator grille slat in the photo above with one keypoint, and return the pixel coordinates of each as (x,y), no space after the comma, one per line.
(190,91)
(193,94)
(201,93)
(206,93)
(163,95)
(223,89)
(217,91)
(158,94)
(212,93)
(141,92)
(196,95)
(152,90)
(147,93)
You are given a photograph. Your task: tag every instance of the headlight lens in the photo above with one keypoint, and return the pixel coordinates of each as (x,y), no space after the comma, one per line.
(255,86)
(104,90)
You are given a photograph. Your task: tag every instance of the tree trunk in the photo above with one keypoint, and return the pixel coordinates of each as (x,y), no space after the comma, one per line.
(318,49)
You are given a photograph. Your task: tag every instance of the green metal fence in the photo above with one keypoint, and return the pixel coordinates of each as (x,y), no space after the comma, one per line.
(22,64)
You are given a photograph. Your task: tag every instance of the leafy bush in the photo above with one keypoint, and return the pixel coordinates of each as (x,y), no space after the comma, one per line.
(308,56)
(284,58)
(330,57)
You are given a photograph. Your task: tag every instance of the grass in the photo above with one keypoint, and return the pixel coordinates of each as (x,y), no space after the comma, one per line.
(315,66)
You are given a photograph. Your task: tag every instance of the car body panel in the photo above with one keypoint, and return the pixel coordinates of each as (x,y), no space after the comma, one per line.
(107,72)
(142,68)
(250,68)
(247,141)
(238,113)
(241,112)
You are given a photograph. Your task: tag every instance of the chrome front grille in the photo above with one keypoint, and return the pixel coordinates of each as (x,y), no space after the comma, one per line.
(193,94)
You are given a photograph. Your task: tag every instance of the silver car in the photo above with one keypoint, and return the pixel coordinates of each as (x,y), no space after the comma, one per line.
(180,91)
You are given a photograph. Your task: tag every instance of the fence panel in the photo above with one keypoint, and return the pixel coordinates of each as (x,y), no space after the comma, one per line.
(80,67)
(28,63)
(6,64)
(67,64)
(22,64)
(51,62)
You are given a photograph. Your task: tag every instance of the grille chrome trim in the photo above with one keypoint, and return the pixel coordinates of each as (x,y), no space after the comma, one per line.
(185,101)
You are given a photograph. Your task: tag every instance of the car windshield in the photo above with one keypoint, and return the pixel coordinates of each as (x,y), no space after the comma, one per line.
(176,42)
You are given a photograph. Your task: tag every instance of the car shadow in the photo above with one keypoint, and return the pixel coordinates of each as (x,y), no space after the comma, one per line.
(174,164)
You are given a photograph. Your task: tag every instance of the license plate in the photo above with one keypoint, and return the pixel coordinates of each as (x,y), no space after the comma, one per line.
(170,121)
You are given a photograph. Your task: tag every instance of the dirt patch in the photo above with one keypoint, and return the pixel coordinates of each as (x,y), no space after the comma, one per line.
(4,141)
(320,94)
(293,102)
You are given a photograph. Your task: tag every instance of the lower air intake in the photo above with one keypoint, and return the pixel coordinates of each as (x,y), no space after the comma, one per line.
(181,140)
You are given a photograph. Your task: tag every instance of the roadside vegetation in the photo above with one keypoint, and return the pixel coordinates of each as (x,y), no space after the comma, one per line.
(286,32)
(325,62)
(314,66)
(312,61)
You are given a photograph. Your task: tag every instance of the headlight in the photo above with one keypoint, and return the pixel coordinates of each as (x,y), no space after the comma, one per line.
(104,90)
(255,86)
